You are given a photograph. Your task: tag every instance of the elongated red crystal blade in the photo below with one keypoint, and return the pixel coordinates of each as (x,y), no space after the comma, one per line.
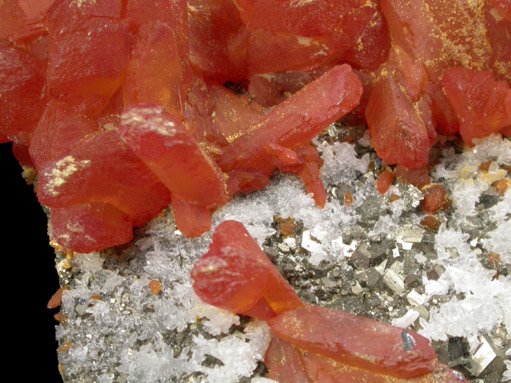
(161,140)
(357,341)
(58,129)
(89,76)
(297,120)
(21,85)
(327,370)
(192,220)
(284,361)
(289,364)
(397,130)
(156,73)
(479,101)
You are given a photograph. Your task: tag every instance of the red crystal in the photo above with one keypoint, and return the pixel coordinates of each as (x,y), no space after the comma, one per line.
(90,226)
(19,24)
(161,140)
(397,130)
(191,219)
(272,89)
(323,369)
(35,9)
(355,29)
(68,14)
(384,181)
(345,338)
(435,198)
(218,115)
(285,363)
(235,274)
(212,24)
(101,168)
(58,129)
(87,63)
(504,7)
(295,121)
(482,104)
(21,86)
(155,72)
(140,12)
(255,52)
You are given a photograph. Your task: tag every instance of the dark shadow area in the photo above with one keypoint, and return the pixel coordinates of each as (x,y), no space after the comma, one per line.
(30,279)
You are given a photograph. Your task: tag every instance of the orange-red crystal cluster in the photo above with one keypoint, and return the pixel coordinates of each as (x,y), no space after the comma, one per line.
(120,105)
(309,343)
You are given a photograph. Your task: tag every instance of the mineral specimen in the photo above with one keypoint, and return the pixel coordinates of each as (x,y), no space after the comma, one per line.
(126,106)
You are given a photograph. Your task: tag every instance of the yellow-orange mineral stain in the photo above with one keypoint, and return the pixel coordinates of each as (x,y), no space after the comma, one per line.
(502,185)
(155,287)
(56,298)
(348,199)
(65,347)
(431,222)
(61,318)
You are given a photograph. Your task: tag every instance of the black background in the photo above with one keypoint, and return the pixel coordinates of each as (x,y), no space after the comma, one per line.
(30,279)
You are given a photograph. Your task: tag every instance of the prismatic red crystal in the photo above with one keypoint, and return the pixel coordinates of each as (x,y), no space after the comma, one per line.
(435,198)
(101,168)
(289,364)
(384,181)
(90,226)
(166,146)
(22,20)
(219,116)
(504,7)
(398,133)
(158,69)
(212,23)
(346,338)
(22,99)
(296,120)
(285,362)
(65,13)
(87,62)
(192,220)
(353,31)
(483,105)
(398,116)
(155,73)
(293,123)
(58,129)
